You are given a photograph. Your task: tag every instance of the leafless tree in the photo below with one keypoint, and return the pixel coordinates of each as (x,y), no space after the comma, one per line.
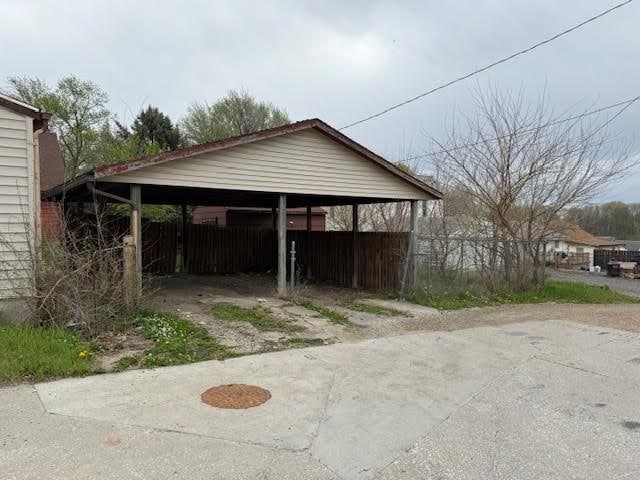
(521,165)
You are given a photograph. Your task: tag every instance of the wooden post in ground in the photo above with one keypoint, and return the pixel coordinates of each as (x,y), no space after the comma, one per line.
(413,241)
(282,245)
(307,255)
(183,233)
(136,230)
(356,247)
(129,272)
(410,261)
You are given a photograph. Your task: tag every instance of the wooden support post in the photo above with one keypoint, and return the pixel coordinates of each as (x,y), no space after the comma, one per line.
(307,255)
(410,261)
(413,241)
(356,247)
(183,234)
(136,230)
(129,272)
(282,245)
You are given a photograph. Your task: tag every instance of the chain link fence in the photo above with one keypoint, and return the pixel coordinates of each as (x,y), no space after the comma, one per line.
(475,265)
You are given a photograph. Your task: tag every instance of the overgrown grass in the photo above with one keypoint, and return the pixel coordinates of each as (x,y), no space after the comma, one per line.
(35,354)
(177,340)
(331,315)
(374,309)
(260,317)
(552,291)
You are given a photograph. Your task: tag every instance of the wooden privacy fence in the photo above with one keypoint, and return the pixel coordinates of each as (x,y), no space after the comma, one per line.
(159,247)
(211,249)
(329,257)
(326,257)
(602,257)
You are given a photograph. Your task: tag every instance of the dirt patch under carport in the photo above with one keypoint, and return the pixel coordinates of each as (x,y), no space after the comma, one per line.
(193,297)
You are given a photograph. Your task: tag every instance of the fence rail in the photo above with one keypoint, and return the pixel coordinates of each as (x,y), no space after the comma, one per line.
(602,257)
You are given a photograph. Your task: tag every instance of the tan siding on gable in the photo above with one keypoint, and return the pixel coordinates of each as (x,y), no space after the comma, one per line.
(304,162)
(16,203)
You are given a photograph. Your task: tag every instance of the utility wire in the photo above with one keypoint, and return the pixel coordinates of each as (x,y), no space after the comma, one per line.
(625,105)
(487,67)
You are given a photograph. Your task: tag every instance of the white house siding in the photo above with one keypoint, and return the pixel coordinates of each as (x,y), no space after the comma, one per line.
(17,205)
(304,162)
(555,246)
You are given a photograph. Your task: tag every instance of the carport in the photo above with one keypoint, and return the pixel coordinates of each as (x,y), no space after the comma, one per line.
(303,164)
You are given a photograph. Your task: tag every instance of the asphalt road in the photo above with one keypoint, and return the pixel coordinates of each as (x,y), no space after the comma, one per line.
(534,400)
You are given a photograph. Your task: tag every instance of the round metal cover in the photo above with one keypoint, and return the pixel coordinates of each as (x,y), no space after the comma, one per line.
(235,396)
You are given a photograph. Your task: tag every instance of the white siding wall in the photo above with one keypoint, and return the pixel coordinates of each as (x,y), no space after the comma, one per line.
(17,212)
(305,162)
(565,247)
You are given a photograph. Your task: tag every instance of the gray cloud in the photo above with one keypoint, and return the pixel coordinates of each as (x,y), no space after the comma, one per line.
(339,61)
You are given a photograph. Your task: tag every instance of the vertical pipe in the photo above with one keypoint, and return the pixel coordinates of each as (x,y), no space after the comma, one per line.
(355,244)
(282,245)
(292,282)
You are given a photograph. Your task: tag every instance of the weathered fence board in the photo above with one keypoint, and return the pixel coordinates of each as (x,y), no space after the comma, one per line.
(326,256)
(159,247)
(329,256)
(602,257)
(229,250)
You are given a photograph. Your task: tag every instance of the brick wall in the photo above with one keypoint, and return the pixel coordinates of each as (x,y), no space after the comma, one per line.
(51,220)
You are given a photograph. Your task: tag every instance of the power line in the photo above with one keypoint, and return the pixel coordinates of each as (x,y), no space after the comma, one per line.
(625,105)
(487,67)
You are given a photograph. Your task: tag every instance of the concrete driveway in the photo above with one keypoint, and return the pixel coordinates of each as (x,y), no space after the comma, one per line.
(535,400)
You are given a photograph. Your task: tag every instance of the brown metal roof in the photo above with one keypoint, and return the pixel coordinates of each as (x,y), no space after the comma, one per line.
(108,170)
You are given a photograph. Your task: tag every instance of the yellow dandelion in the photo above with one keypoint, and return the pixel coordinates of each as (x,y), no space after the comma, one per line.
(82,354)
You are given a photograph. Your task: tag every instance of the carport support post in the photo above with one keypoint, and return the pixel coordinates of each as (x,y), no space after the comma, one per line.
(356,248)
(307,256)
(183,226)
(410,261)
(282,245)
(414,243)
(136,230)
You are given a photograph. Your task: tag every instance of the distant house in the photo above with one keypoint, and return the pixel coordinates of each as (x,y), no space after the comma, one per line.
(259,217)
(30,161)
(633,245)
(571,240)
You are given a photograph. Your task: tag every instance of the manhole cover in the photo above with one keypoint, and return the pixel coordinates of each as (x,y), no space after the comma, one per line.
(235,396)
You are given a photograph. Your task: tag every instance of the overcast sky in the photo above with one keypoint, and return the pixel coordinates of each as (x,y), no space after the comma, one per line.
(339,61)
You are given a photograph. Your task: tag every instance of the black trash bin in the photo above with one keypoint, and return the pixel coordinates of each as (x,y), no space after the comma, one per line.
(613,269)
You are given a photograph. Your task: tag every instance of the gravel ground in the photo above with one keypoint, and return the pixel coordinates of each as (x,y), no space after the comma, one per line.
(627,286)
(619,316)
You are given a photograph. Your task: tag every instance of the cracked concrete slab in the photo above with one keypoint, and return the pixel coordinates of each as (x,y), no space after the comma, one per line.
(36,445)
(491,402)
(169,398)
(545,421)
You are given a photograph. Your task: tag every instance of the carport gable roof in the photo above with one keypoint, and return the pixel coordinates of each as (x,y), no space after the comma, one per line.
(103,172)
